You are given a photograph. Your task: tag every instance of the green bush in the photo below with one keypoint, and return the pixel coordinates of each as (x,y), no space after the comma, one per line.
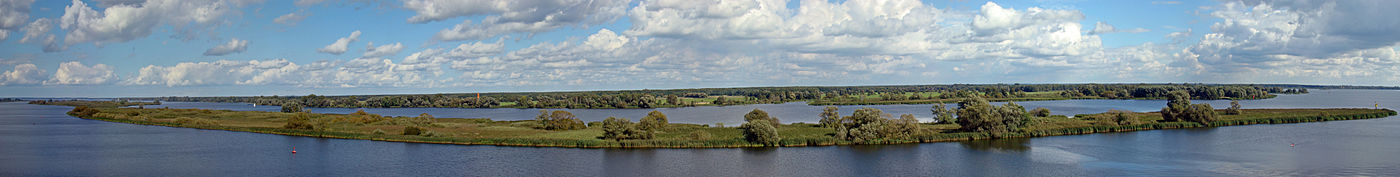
(620,128)
(1234,108)
(867,125)
(1040,112)
(830,118)
(654,121)
(757,114)
(379,132)
(558,120)
(942,114)
(291,108)
(412,130)
(300,120)
(760,132)
(977,115)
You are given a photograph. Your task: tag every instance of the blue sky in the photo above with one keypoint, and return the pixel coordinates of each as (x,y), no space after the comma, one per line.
(106,48)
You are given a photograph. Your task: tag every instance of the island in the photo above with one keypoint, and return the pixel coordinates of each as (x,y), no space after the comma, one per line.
(971,118)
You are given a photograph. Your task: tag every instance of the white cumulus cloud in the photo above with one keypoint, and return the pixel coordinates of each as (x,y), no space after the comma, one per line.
(75,73)
(233,46)
(23,74)
(383,50)
(291,19)
(509,16)
(126,22)
(340,45)
(13,14)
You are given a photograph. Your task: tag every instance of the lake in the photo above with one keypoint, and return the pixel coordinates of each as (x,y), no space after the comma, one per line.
(38,140)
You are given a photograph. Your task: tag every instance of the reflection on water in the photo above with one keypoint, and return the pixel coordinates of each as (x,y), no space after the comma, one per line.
(1005,144)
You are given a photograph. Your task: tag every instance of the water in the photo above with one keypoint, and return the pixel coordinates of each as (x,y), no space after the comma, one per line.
(40,141)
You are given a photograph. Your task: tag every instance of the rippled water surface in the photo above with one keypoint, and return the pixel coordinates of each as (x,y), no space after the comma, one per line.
(41,141)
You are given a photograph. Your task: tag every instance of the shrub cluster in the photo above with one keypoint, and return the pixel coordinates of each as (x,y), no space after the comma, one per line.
(1040,112)
(942,114)
(620,128)
(1179,108)
(654,121)
(870,124)
(300,121)
(558,120)
(291,108)
(760,131)
(83,112)
(1234,108)
(977,115)
(829,117)
(412,130)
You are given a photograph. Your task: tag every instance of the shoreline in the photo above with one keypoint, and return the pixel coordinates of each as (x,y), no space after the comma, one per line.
(1350,114)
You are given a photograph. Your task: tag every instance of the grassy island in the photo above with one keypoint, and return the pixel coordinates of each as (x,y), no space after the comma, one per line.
(621,133)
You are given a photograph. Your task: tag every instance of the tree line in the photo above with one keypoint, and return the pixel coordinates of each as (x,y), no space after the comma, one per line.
(754,95)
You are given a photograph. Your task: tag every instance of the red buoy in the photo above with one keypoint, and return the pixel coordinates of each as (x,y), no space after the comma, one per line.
(294,149)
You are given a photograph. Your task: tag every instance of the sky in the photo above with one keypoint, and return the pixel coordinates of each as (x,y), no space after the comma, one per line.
(120,48)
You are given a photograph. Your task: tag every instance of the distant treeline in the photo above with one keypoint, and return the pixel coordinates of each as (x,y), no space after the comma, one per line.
(1330,86)
(756,95)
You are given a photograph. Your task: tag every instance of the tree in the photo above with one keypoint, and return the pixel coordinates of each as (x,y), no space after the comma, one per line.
(673,100)
(757,114)
(654,121)
(829,117)
(1121,117)
(720,101)
(542,120)
(942,114)
(291,108)
(1179,108)
(868,124)
(1040,112)
(559,120)
(1234,108)
(620,128)
(760,132)
(906,126)
(977,115)
(1177,103)
(1200,113)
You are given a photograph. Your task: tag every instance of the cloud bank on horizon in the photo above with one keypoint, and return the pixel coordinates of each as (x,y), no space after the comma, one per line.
(368,47)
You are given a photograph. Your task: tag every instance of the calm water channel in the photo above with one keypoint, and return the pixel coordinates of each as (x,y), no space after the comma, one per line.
(41,141)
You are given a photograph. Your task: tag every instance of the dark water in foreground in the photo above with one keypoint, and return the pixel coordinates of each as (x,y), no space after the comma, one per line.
(41,141)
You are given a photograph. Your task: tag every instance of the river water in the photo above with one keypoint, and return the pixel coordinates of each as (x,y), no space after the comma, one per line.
(38,140)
